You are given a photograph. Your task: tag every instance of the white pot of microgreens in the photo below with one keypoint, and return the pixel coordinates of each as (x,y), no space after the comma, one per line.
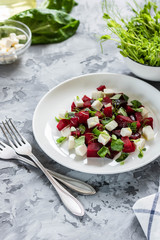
(151,73)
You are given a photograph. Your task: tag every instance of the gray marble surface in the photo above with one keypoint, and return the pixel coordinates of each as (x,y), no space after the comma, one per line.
(29,208)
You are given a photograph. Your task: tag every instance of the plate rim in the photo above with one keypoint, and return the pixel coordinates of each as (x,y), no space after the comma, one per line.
(72,79)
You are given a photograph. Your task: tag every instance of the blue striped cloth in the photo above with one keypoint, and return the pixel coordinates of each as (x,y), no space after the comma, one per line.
(147,211)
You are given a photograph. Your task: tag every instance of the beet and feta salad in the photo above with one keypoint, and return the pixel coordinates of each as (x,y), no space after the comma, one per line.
(105,125)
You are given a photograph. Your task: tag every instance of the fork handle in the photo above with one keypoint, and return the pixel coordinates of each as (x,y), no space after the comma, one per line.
(72,183)
(69,200)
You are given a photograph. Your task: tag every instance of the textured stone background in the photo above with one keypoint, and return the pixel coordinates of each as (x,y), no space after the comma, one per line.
(29,208)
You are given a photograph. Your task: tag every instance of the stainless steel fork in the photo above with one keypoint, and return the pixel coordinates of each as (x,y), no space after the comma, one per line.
(21,146)
(6,152)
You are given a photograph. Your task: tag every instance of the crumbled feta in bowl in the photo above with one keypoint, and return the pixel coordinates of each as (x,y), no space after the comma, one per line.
(15,38)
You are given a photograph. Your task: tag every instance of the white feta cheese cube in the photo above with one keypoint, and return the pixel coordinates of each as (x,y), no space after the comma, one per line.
(97,94)
(3,51)
(92,121)
(78,101)
(62,113)
(108,105)
(111,125)
(81,150)
(144,112)
(21,37)
(148,133)
(97,105)
(126,132)
(12,35)
(108,92)
(140,143)
(66,132)
(18,46)
(14,41)
(104,137)
(6,42)
(71,142)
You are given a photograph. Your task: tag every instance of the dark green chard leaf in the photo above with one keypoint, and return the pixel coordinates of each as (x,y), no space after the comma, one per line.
(122,157)
(125,97)
(48,26)
(103,151)
(61,139)
(64,5)
(136,104)
(117,145)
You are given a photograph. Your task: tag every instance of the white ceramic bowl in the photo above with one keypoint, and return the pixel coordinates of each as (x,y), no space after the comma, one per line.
(12,26)
(143,71)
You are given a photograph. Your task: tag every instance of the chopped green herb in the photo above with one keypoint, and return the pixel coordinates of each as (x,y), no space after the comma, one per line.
(71,114)
(117,96)
(77,98)
(122,111)
(57,119)
(79,141)
(114,137)
(60,140)
(106,121)
(117,145)
(133,126)
(136,103)
(141,150)
(122,163)
(92,113)
(96,131)
(100,99)
(67,116)
(137,109)
(125,97)
(82,128)
(103,151)
(122,157)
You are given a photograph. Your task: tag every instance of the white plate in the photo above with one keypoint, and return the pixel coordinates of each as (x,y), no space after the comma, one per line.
(46,133)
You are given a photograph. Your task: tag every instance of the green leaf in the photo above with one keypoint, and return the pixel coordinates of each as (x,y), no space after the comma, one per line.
(136,103)
(79,141)
(57,119)
(125,97)
(137,109)
(60,140)
(141,150)
(122,111)
(96,131)
(116,96)
(48,26)
(122,157)
(92,113)
(106,121)
(103,151)
(82,128)
(133,126)
(114,137)
(106,16)
(117,145)
(64,5)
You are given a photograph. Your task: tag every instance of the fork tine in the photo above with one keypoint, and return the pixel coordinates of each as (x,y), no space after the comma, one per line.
(13,139)
(22,138)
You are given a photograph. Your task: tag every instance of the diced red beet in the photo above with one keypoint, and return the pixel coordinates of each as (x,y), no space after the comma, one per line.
(83,116)
(101,88)
(106,100)
(138,116)
(138,124)
(100,127)
(99,114)
(129,110)
(87,104)
(122,121)
(74,122)
(135,136)
(148,121)
(85,98)
(93,148)
(73,106)
(63,123)
(128,145)
(117,132)
(76,133)
(89,138)
(108,111)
